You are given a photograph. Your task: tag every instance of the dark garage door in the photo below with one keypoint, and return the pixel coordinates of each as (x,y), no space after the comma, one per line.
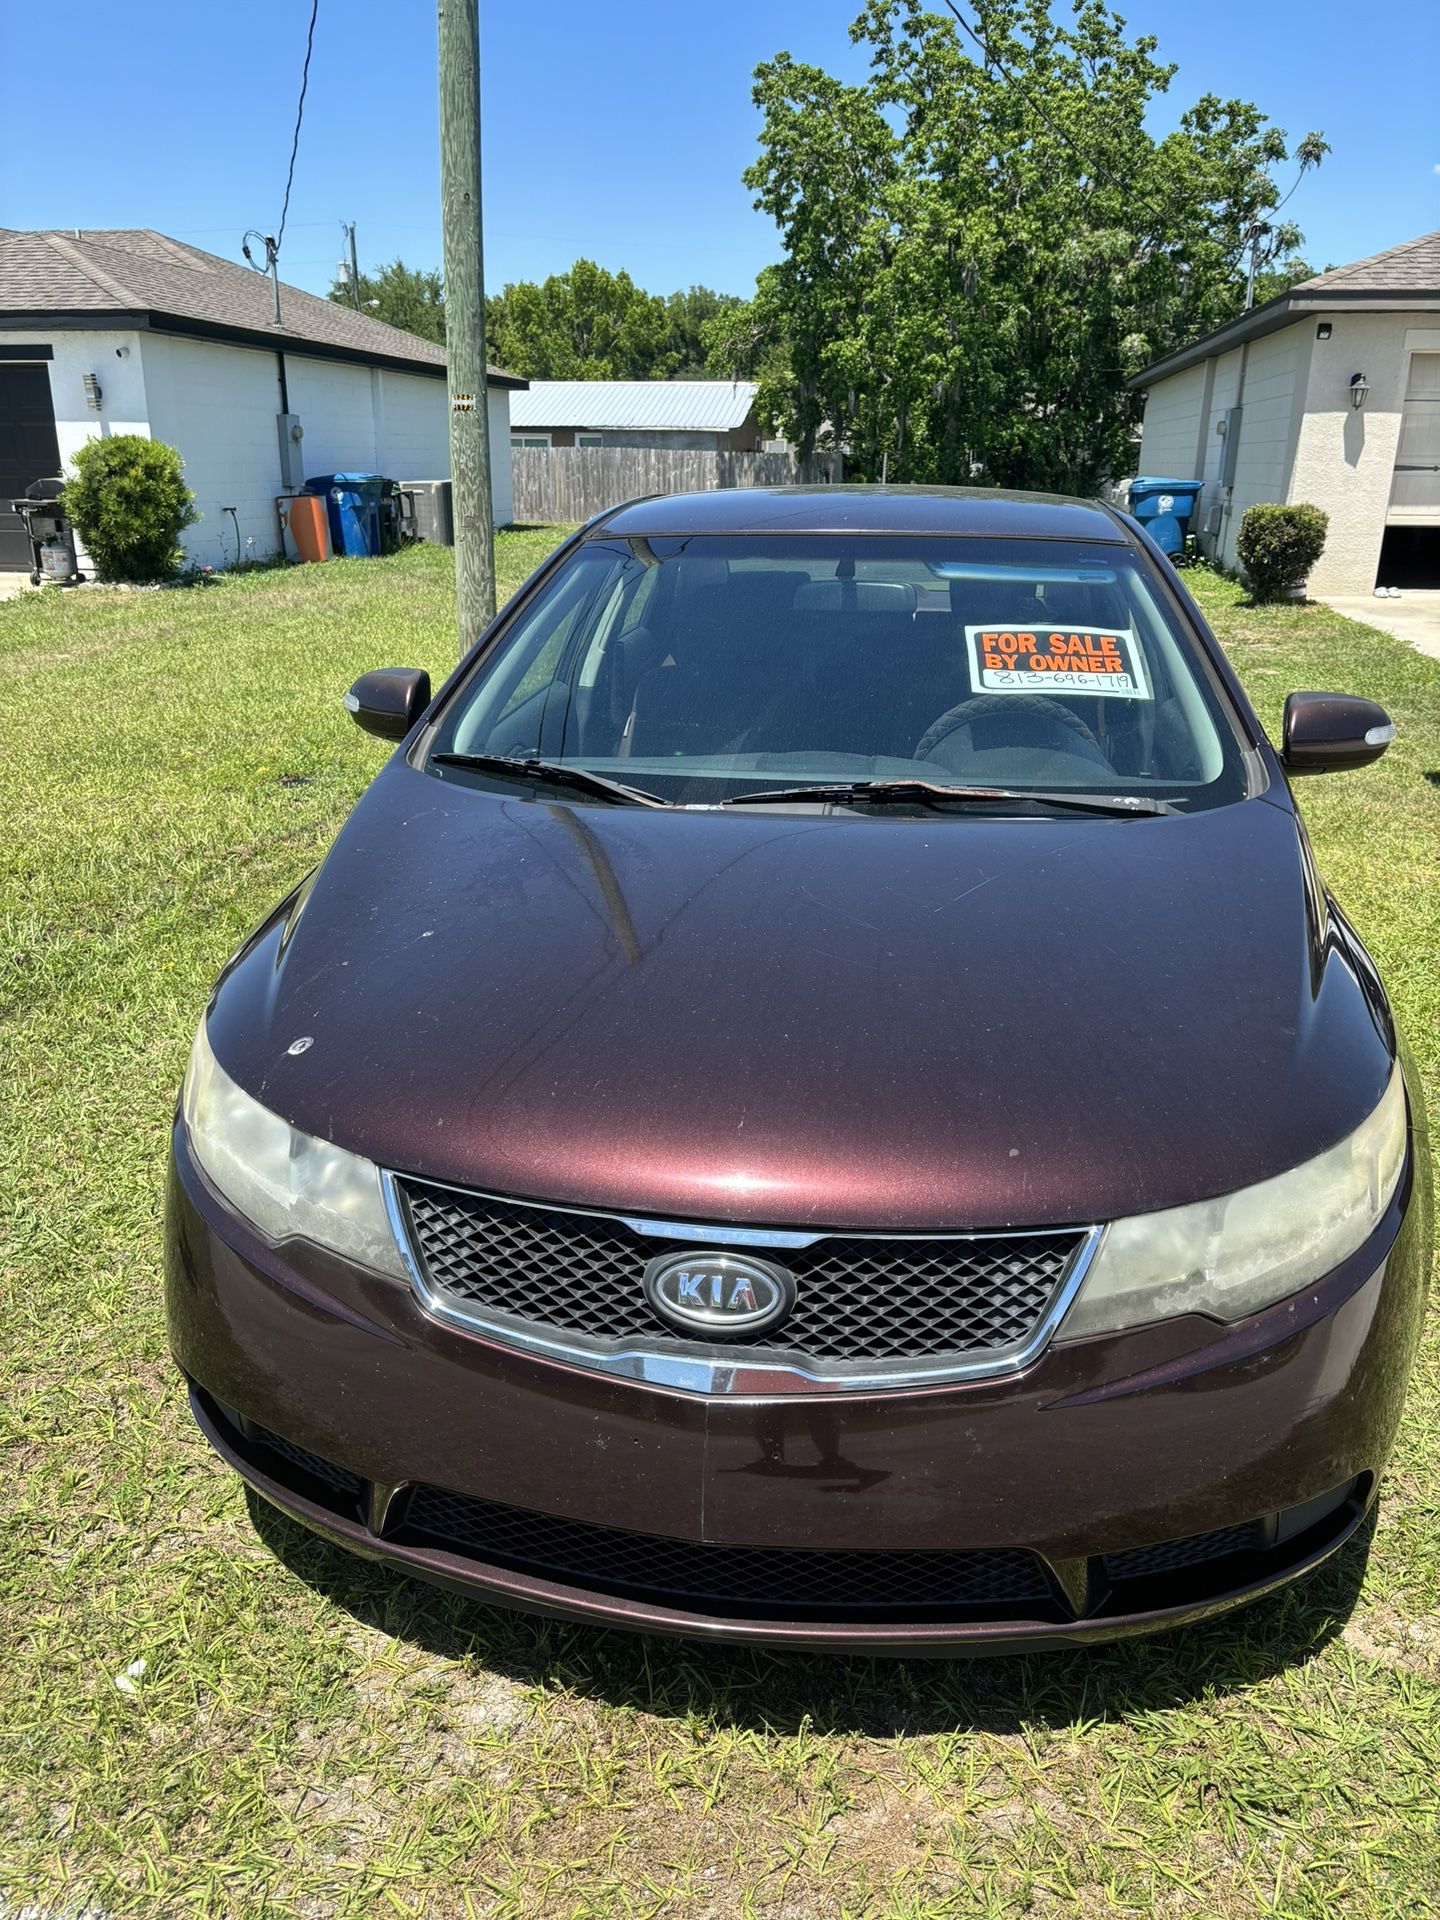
(28,448)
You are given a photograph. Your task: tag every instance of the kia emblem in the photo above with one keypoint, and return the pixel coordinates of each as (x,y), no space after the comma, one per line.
(718,1296)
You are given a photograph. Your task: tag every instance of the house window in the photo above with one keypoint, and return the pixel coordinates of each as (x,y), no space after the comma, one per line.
(529,439)
(589,440)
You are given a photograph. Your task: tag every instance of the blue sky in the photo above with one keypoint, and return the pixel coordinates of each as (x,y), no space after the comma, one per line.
(618,132)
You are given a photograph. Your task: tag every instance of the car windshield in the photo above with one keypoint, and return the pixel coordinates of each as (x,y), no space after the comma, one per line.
(700,669)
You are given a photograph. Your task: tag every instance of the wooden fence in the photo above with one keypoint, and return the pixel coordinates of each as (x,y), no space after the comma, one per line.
(570,483)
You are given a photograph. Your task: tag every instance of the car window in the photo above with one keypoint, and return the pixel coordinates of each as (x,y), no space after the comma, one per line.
(699,667)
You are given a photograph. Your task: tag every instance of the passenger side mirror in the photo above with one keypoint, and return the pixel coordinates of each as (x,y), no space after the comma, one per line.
(1328,732)
(390,700)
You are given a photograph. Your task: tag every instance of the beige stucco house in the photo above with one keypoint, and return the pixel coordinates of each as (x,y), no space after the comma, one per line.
(1331,394)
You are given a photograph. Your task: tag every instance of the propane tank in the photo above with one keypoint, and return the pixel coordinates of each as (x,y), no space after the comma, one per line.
(57,558)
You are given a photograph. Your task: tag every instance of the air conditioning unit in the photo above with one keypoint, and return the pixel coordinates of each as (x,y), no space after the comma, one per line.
(434,510)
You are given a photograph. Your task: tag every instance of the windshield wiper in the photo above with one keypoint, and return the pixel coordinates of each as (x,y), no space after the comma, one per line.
(928,793)
(551,773)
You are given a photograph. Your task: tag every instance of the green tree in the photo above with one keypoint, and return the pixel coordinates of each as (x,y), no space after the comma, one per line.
(129,502)
(409,297)
(584,324)
(982,241)
(1278,279)
(691,313)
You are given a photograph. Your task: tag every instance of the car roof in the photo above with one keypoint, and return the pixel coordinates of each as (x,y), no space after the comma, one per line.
(959,511)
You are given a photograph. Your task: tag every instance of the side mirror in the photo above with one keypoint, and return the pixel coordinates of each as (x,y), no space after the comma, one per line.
(390,700)
(1328,732)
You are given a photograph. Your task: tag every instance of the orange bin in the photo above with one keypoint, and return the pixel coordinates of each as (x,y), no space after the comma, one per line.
(305,517)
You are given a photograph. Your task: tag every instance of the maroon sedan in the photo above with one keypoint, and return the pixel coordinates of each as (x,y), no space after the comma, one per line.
(819,1098)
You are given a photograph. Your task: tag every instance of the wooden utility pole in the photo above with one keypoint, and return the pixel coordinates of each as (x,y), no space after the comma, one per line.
(354,266)
(465,316)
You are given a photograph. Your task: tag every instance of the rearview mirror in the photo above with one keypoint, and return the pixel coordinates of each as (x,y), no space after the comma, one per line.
(1328,732)
(389,701)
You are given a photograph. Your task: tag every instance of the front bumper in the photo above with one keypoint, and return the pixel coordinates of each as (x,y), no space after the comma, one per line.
(1243,1455)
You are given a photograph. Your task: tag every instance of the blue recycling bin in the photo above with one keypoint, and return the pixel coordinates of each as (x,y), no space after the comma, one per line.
(1165,507)
(353,510)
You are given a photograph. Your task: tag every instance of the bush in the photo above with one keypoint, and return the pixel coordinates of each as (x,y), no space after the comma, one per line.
(1278,546)
(129,501)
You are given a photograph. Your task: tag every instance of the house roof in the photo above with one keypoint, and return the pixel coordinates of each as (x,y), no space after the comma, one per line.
(133,276)
(647,406)
(1412,268)
(1407,275)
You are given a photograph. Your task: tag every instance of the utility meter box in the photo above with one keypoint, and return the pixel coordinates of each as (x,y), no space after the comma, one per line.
(292,463)
(1230,453)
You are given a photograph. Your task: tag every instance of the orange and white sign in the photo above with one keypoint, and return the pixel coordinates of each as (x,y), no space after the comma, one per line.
(1103,660)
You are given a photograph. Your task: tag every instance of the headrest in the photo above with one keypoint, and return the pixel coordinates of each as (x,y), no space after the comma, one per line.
(1084,604)
(763,590)
(995,603)
(856,596)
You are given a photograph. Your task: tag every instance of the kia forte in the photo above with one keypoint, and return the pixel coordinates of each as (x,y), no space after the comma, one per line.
(820,1097)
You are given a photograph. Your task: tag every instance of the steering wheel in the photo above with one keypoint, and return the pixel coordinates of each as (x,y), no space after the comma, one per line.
(1055,721)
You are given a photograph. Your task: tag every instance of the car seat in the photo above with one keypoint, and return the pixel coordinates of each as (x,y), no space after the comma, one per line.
(724,657)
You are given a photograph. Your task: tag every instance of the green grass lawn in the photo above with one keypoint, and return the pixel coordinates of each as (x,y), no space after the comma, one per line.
(312,1737)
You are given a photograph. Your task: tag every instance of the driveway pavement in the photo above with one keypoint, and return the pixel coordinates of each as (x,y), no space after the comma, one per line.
(13,583)
(1414,616)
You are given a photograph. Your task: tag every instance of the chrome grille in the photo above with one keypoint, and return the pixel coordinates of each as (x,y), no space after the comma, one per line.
(859,1299)
(790,1581)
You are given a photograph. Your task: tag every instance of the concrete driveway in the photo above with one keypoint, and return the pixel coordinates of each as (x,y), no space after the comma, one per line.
(1414,616)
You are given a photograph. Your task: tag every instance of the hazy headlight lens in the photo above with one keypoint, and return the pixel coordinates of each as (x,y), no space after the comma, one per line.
(1230,1257)
(286,1183)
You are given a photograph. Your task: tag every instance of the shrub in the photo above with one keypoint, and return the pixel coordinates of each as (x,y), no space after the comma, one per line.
(129,501)
(1278,546)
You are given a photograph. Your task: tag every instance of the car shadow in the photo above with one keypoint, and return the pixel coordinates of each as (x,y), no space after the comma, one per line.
(779,1692)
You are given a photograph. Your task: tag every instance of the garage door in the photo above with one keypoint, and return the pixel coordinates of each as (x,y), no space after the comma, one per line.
(29,450)
(1415,493)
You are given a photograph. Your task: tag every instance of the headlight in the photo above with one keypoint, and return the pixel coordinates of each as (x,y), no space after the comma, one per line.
(287,1184)
(1229,1257)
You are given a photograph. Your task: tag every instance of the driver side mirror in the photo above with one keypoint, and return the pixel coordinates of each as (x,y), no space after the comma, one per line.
(1328,732)
(389,701)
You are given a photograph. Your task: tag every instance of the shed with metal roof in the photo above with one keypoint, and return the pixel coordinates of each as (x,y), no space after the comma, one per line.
(708,415)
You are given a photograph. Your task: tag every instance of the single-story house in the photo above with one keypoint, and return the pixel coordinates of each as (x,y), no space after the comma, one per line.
(126,331)
(711,416)
(1328,394)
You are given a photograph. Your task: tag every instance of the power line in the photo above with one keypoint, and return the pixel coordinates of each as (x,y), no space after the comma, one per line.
(299,117)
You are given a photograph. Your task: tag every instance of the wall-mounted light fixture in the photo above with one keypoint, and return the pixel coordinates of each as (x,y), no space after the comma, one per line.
(1322,332)
(1359,390)
(93,395)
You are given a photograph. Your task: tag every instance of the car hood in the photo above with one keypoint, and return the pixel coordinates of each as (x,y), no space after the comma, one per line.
(926,1022)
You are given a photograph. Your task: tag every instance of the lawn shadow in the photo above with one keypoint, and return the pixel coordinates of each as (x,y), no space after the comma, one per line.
(777,1693)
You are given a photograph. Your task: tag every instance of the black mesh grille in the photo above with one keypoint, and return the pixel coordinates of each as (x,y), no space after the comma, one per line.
(856,1299)
(1144,1563)
(340,1478)
(735,1580)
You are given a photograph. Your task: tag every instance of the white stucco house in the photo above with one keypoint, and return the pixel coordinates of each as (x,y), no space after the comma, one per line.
(1329,394)
(126,331)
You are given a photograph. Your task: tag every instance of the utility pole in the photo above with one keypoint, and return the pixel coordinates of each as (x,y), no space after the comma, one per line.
(347,227)
(459,23)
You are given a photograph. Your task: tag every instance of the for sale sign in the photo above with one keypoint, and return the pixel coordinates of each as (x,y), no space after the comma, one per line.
(1101,660)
